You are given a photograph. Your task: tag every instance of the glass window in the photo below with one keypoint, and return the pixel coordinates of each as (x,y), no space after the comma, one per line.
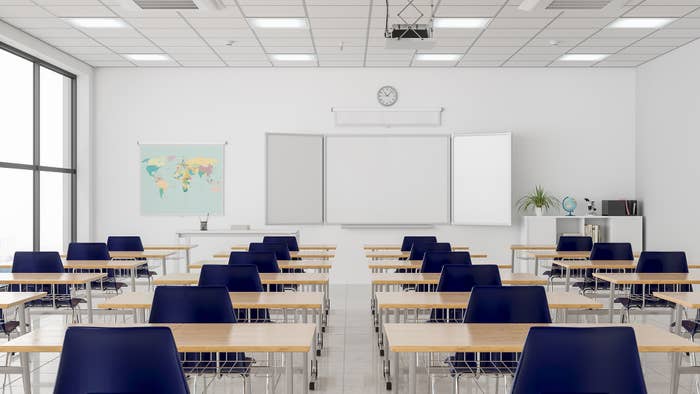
(54,211)
(54,119)
(16,215)
(16,109)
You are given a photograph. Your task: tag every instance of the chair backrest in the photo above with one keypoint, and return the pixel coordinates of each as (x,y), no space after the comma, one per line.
(419,248)
(291,241)
(87,251)
(129,360)
(236,277)
(280,250)
(408,241)
(435,259)
(580,360)
(662,262)
(32,262)
(612,251)
(192,304)
(574,243)
(508,304)
(265,261)
(462,277)
(125,243)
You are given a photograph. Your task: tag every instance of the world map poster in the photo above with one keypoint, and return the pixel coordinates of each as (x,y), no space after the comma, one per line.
(182,179)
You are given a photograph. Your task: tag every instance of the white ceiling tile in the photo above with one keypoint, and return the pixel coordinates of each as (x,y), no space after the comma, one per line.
(676,33)
(237,42)
(289,49)
(336,50)
(252,11)
(526,63)
(663,42)
(347,42)
(38,23)
(135,49)
(519,23)
(250,63)
(113,63)
(502,42)
(338,23)
(202,63)
(178,41)
(23,11)
(125,41)
(634,50)
(187,50)
(580,23)
(539,50)
(218,23)
(509,33)
(571,33)
(334,33)
(226,33)
(467,11)
(476,50)
(56,33)
(86,50)
(158,23)
(492,57)
(80,11)
(618,64)
(555,42)
(480,63)
(72,42)
(608,42)
(594,50)
(685,23)
(228,12)
(350,11)
(169,33)
(229,51)
(645,11)
(515,12)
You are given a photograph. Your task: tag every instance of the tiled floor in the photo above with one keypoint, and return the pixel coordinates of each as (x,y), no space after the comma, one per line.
(350,361)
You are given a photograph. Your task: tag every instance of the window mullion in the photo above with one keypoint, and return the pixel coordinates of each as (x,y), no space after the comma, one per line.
(37,182)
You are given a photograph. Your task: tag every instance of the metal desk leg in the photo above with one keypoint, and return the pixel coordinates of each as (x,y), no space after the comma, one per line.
(133,279)
(512,260)
(412,360)
(537,265)
(305,371)
(568,278)
(165,270)
(675,372)
(288,373)
(187,260)
(24,363)
(612,300)
(679,318)
(22,319)
(89,301)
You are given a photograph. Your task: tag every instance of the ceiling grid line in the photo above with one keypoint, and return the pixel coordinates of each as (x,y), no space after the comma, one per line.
(533,38)
(184,19)
(470,46)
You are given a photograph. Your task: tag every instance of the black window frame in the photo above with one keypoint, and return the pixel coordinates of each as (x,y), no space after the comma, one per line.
(36,166)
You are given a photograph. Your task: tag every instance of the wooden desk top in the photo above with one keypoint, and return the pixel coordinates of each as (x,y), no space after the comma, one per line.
(403,255)
(303,300)
(398,247)
(150,254)
(301,247)
(567,255)
(416,264)
(49,278)
(649,278)
(596,264)
(690,300)
(299,255)
(101,264)
(532,247)
(291,278)
(425,300)
(8,299)
(169,247)
(392,278)
(283,264)
(238,337)
(443,337)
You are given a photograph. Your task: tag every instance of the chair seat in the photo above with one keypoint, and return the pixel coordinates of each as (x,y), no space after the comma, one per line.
(9,326)
(692,326)
(60,302)
(591,285)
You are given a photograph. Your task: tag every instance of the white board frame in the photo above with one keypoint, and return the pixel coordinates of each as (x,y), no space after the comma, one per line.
(509,220)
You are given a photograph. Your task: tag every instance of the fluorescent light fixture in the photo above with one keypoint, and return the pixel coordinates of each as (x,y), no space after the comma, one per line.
(97,23)
(641,23)
(460,23)
(293,57)
(279,23)
(437,57)
(583,57)
(148,57)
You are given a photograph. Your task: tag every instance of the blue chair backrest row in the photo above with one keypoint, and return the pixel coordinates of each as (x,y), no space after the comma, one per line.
(280,250)
(420,248)
(290,241)
(434,260)
(408,241)
(265,261)
(574,243)
(612,251)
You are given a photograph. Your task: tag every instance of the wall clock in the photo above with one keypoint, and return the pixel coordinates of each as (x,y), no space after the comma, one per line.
(387,96)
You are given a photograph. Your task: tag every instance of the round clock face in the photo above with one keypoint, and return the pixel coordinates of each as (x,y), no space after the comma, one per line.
(387,96)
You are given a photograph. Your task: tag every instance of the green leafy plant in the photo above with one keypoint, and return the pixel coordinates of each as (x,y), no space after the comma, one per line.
(538,199)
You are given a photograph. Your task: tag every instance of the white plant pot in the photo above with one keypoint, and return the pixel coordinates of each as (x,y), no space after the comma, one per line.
(538,211)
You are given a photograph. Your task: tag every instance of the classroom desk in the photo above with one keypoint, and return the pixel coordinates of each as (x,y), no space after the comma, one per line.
(195,338)
(131,265)
(294,255)
(322,266)
(175,248)
(161,255)
(583,255)
(326,247)
(687,300)
(644,279)
(383,265)
(569,265)
(404,301)
(389,255)
(55,279)
(449,338)
(398,247)
(514,249)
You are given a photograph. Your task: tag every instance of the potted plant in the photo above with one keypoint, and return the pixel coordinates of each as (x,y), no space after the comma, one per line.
(538,199)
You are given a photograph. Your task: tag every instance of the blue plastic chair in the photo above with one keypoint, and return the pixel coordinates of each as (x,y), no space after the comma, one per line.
(654,262)
(280,250)
(45,262)
(499,304)
(130,360)
(420,248)
(408,241)
(569,243)
(130,243)
(580,360)
(291,241)
(94,251)
(435,259)
(237,278)
(462,278)
(604,251)
(265,261)
(200,304)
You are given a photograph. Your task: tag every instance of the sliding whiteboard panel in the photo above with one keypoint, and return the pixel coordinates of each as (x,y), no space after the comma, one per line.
(387,179)
(481,179)
(294,179)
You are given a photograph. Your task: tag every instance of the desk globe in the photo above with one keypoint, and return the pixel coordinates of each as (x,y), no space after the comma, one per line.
(569,205)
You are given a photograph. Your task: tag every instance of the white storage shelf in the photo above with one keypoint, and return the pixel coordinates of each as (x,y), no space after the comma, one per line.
(545,230)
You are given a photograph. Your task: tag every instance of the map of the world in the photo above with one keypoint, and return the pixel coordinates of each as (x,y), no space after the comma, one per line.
(182,179)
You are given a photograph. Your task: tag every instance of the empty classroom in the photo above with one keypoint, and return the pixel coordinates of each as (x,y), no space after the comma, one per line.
(349,196)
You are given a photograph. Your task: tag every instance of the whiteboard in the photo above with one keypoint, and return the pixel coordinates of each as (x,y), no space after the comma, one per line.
(387,179)
(481,179)
(294,192)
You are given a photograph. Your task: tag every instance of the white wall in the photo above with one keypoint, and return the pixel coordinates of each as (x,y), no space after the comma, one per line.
(668,163)
(573,133)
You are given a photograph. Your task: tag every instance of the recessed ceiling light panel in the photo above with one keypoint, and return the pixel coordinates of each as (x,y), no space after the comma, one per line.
(460,23)
(97,23)
(437,57)
(293,57)
(641,23)
(583,57)
(279,23)
(148,57)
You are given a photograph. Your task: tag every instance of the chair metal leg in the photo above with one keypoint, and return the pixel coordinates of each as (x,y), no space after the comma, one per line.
(247,385)
(455,384)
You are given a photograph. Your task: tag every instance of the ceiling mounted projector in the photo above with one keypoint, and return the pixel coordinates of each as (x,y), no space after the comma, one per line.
(411,34)
(570,5)
(206,5)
